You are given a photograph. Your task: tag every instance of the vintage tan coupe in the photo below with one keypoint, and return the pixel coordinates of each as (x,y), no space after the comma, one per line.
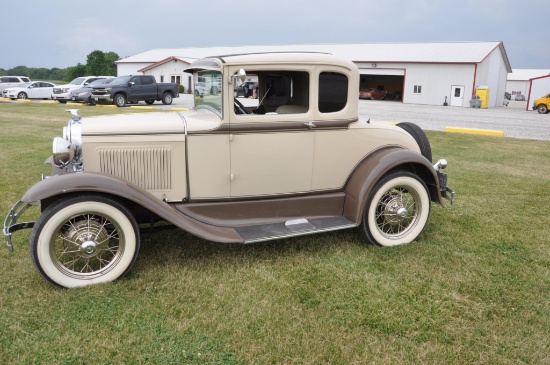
(294,161)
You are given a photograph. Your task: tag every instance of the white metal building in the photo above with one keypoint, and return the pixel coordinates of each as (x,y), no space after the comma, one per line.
(416,73)
(538,87)
(518,81)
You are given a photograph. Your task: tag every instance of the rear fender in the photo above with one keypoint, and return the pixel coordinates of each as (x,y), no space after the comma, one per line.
(375,167)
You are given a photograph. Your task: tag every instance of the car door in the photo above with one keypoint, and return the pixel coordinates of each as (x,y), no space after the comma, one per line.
(38,91)
(148,89)
(272,153)
(134,90)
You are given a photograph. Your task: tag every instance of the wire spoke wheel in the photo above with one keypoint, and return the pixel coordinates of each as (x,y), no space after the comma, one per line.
(87,245)
(84,240)
(397,210)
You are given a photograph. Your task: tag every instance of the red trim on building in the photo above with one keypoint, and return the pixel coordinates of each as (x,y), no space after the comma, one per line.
(171,58)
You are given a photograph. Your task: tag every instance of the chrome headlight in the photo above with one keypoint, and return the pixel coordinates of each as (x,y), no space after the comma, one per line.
(69,148)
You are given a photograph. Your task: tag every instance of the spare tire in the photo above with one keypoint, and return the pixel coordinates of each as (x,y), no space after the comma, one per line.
(420,137)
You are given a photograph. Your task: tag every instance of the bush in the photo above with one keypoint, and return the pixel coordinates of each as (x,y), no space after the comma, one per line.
(181,89)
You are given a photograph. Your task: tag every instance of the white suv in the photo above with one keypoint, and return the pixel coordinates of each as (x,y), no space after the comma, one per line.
(62,93)
(11,81)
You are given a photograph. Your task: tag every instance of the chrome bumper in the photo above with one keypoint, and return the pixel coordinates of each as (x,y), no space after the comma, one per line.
(10,223)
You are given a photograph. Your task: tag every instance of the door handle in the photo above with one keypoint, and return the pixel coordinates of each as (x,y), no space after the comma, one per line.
(310,125)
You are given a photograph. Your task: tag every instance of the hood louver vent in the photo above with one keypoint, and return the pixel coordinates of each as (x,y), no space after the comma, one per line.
(147,167)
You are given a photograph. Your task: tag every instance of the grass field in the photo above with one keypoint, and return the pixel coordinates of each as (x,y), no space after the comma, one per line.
(474,289)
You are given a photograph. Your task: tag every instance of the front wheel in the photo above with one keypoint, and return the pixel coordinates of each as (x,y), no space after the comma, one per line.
(84,240)
(167,99)
(22,95)
(542,109)
(397,210)
(120,100)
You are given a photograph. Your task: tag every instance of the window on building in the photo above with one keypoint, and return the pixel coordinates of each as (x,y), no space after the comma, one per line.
(176,79)
(161,78)
(417,89)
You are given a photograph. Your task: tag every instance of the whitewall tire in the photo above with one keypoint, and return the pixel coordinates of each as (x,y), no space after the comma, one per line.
(84,240)
(397,210)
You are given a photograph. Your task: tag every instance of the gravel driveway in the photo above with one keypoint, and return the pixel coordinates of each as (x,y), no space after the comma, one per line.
(513,120)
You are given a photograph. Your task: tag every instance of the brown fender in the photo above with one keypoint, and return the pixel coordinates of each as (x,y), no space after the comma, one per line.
(87,182)
(375,167)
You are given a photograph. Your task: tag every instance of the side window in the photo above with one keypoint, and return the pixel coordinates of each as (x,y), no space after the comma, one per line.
(14,79)
(333,92)
(3,79)
(147,80)
(135,80)
(24,79)
(273,92)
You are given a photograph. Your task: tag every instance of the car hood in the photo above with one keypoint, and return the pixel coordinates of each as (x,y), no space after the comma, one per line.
(153,123)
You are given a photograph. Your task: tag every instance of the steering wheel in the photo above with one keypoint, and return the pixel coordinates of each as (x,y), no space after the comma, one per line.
(239,108)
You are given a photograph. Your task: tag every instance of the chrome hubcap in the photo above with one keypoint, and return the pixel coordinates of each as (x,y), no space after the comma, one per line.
(396,212)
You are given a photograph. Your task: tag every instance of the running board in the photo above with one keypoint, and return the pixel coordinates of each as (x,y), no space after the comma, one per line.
(292,228)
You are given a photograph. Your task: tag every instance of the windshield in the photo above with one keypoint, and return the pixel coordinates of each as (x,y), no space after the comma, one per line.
(25,84)
(78,81)
(99,82)
(120,80)
(208,89)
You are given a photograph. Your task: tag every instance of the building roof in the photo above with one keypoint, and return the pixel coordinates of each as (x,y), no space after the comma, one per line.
(433,52)
(526,74)
(162,62)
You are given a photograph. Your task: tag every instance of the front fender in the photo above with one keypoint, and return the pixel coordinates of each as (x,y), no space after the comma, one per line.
(89,182)
(377,165)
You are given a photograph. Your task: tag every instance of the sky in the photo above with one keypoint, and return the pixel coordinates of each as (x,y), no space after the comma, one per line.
(61,33)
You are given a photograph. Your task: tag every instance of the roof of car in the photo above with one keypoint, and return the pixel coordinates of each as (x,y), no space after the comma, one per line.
(270,58)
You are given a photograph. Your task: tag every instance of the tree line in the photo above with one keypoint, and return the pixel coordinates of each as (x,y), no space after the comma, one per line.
(97,63)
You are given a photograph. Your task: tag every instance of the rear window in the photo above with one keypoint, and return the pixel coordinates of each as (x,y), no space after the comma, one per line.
(333,92)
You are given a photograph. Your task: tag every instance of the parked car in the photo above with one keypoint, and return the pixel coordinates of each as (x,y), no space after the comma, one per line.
(519,97)
(30,90)
(246,89)
(12,81)
(299,162)
(62,93)
(372,94)
(542,104)
(84,94)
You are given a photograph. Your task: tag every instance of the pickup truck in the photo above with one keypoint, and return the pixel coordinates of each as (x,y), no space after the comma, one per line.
(295,161)
(133,88)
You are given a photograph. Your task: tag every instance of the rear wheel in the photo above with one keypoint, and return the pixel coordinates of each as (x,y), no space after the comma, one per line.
(420,137)
(120,100)
(84,240)
(22,95)
(167,99)
(542,109)
(397,210)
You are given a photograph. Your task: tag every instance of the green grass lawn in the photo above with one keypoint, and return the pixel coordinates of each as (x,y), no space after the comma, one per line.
(474,289)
